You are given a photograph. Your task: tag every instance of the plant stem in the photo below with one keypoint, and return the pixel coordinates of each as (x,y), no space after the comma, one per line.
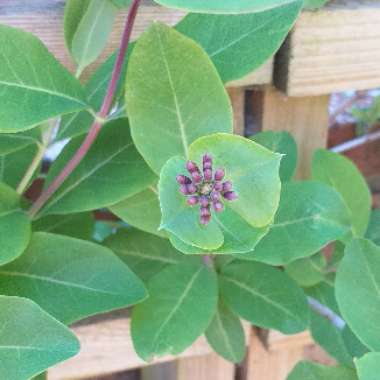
(42,147)
(97,125)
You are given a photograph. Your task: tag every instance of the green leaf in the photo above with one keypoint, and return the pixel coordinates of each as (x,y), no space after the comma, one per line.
(225,6)
(109,173)
(324,293)
(253,170)
(358,283)
(341,174)
(144,253)
(237,45)
(308,271)
(330,338)
(314,4)
(12,142)
(122,3)
(80,226)
(31,340)
(191,100)
(181,312)
(14,165)
(34,86)
(70,278)
(309,209)
(368,366)
(284,143)
(89,29)
(314,371)
(225,334)
(141,211)
(15,229)
(264,296)
(373,232)
(178,217)
(354,346)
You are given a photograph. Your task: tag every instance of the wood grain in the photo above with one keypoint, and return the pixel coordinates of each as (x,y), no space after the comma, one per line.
(44,18)
(334,49)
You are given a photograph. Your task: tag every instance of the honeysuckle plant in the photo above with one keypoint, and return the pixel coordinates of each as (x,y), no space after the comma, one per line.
(213,228)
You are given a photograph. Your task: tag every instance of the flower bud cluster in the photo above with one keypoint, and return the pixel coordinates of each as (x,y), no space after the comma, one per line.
(206,188)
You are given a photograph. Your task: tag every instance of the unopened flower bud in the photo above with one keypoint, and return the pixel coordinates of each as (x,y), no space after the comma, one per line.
(218,186)
(204,201)
(191,188)
(205,211)
(207,162)
(183,180)
(215,196)
(184,190)
(197,178)
(230,195)
(207,173)
(227,186)
(191,166)
(219,174)
(193,200)
(218,206)
(205,220)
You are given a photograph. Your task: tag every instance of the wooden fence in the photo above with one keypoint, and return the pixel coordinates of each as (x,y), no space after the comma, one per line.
(334,49)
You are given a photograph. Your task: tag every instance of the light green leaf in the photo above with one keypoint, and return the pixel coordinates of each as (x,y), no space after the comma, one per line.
(264,296)
(80,226)
(70,278)
(341,174)
(309,209)
(181,312)
(253,170)
(330,338)
(141,211)
(284,143)
(145,254)
(95,21)
(178,217)
(109,173)
(12,142)
(15,229)
(31,340)
(354,346)
(33,81)
(122,3)
(308,271)
(225,334)
(314,4)
(373,232)
(314,371)
(368,366)
(239,44)
(358,283)
(191,100)
(225,6)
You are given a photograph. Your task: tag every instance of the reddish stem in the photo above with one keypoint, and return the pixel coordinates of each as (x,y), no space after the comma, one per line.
(97,125)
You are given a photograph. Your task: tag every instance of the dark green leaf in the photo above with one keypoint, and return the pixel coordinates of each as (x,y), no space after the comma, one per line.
(264,296)
(109,173)
(354,346)
(34,86)
(174,316)
(31,340)
(358,290)
(239,44)
(80,226)
(12,142)
(368,366)
(226,335)
(314,371)
(284,143)
(70,278)
(341,174)
(192,101)
(373,232)
(15,229)
(311,210)
(144,253)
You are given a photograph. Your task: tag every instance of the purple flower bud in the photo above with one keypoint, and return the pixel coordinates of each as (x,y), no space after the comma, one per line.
(193,200)
(205,220)
(219,174)
(230,195)
(191,189)
(227,186)
(204,201)
(218,206)
(205,211)
(218,186)
(184,190)
(197,178)
(207,173)
(215,196)
(183,180)
(191,166)
(207,162)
